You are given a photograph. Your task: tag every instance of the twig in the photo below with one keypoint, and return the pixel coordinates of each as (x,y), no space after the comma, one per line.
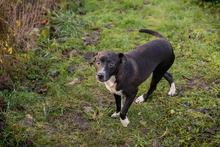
(163,133)
(14,30)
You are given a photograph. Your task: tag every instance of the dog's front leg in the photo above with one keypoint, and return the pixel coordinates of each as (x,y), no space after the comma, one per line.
(118,102)
(123,118)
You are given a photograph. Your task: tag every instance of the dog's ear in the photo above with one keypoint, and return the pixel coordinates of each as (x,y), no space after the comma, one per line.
(122,58)
(94,58)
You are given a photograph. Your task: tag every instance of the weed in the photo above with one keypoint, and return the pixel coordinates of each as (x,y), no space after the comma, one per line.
(79,115)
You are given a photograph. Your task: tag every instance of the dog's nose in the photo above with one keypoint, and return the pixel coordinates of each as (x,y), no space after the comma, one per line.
(101,76)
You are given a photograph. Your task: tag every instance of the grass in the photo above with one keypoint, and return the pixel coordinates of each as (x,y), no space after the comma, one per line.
(79,115)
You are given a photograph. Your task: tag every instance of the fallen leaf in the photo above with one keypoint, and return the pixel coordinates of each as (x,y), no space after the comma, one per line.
(85,33)
(44,70)
(164,16)
(87,40)
(111,101)
(55,73)
(209,30)
(65,52)
(45,22)
(131,30)
(110,26)
(87,108)
(88,55)
(206,111)
(29,117)
(137,44)
(83,38)
(96,29)
(71,68)
(68,35)
(145,131)
(96,38)
(142,122)
(75,81)
(75,51)
(123,12)
(187,104)
(37,86)
(189,129)
(80,78)
(210,131)
(20,108)
(146,3)
(180,88)
(97,115)
(177,139)
(42,90)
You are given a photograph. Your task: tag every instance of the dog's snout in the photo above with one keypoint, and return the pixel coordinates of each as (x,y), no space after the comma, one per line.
(101,76)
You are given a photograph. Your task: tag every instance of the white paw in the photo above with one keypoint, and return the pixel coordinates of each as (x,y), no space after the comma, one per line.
(125,122)
(172,90)
(140,99)
(114,115)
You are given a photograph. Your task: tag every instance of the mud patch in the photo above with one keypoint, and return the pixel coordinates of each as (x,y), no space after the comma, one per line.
(74,121)
(198,84)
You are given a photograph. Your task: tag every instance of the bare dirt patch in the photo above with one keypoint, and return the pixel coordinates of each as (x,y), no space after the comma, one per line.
(198,84)
(73,120)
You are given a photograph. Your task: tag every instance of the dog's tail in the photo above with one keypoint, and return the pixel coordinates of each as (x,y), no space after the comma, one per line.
(154,33)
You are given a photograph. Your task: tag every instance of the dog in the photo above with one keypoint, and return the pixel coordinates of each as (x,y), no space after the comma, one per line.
(122,73)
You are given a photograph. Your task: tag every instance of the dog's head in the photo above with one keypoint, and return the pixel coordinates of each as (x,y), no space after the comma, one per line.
(107,64)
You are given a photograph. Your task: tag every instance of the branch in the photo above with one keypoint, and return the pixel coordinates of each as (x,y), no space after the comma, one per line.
(163,133)
(14,30)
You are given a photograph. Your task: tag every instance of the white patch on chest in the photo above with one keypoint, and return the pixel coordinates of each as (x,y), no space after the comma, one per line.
(111,86)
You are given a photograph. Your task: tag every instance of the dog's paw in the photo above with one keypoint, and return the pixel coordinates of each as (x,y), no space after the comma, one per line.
(125,122)
(114,115)
(140,99)
(172,90)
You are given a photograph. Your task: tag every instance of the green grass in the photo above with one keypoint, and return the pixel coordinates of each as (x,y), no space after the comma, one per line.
(59,115)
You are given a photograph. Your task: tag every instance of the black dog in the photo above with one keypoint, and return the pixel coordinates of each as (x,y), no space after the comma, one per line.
(122,73)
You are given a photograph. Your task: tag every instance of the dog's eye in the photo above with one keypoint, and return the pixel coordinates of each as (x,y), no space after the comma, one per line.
(98,62)
(111,64)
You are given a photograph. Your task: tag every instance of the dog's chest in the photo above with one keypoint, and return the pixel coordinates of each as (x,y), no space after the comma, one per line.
(111,86)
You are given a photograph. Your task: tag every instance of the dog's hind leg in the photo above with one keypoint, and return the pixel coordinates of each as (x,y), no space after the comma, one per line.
(154,81)
(168,76)
(118,101)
